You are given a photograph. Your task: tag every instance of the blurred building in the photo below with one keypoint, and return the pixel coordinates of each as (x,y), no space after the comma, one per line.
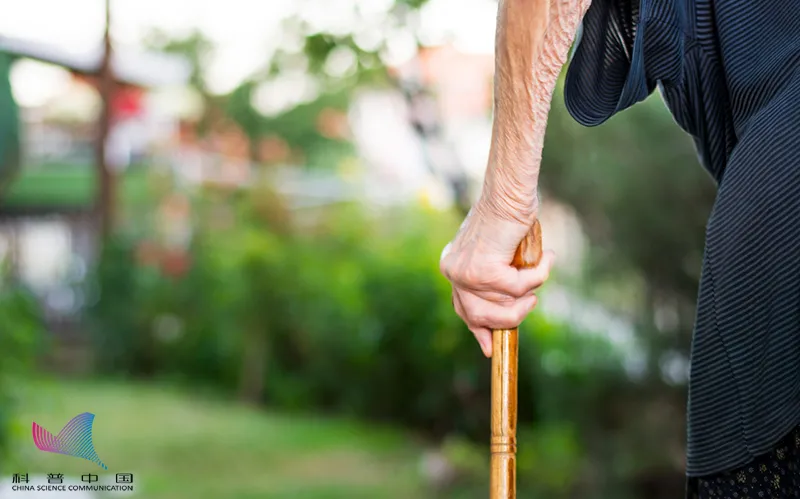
(58,125)
(428,138)
(221,157)
(46,222)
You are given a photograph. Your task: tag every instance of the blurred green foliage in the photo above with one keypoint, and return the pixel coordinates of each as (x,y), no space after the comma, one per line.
(346,314)
(21,332)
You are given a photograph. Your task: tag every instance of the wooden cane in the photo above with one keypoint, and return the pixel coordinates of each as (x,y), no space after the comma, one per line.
(503,478)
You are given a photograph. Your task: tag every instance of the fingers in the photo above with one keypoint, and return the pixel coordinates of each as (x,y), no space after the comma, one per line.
(520,282)
(479,313)
(481,316)
(498,279)
(501,298)
(482,334)
(489,293)
(484,337)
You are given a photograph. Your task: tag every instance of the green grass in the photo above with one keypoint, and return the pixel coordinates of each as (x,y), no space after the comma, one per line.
(195,447)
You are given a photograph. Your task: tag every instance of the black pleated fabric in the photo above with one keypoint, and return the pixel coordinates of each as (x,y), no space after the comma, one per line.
(728,71)
(775,475)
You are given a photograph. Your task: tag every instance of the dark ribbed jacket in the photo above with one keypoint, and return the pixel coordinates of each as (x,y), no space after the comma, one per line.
(729,72)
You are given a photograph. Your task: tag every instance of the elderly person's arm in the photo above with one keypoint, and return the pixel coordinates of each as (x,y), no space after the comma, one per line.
(533,41)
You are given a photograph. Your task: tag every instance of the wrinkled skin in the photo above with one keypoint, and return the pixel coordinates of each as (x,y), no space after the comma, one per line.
(488,293)
(532,45)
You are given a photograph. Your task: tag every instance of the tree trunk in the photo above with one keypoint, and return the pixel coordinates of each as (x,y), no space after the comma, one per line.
(106,186)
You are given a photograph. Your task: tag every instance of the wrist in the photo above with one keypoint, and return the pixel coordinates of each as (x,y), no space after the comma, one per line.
(499,202)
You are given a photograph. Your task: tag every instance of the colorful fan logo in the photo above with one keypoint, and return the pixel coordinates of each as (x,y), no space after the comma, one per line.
(75,439)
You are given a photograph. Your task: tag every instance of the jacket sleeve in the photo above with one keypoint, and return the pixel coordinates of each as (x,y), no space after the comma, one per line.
(624,48)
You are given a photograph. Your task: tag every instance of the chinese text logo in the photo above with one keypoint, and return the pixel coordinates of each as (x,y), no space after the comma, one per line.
(75,439)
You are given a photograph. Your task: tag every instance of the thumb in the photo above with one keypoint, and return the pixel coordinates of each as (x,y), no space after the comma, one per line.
(529,279)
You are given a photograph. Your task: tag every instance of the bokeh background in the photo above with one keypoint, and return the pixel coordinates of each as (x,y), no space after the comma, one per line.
(220,224)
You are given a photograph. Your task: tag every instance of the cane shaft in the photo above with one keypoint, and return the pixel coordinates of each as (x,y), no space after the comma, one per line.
(504,413)
(505,366)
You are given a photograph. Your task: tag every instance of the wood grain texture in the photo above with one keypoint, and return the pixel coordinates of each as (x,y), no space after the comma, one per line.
(505,366)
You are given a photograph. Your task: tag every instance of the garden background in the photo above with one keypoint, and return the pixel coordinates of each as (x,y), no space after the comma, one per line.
(222,239)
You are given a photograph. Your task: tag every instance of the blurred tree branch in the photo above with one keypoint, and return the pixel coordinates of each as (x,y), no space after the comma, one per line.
(329,67)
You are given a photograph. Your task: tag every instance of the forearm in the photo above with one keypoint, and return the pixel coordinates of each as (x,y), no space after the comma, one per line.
(532,44)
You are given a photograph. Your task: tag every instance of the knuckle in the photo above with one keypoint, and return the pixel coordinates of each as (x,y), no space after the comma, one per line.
(477,316)
(538,279)
(517,289)
(502,286)
(471,276)
(499,318)
(474,319)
